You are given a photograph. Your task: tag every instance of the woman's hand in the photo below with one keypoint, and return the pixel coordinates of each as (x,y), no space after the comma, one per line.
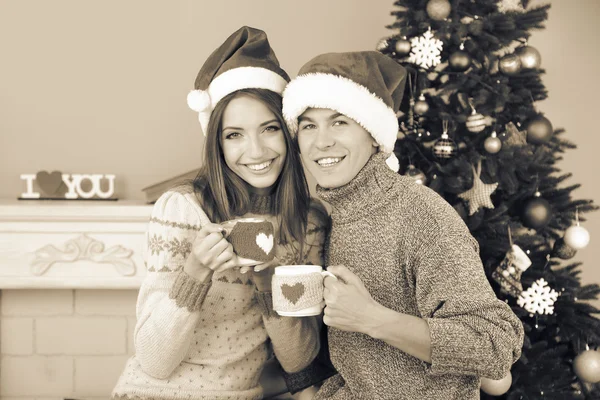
(210,253)
(262,274)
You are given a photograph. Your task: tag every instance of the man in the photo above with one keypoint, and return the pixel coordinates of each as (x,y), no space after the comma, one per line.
(413,316)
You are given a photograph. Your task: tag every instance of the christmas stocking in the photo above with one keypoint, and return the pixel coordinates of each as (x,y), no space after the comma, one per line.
(508,273)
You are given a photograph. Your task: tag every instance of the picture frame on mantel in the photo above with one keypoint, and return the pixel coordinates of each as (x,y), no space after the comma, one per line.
(56,185)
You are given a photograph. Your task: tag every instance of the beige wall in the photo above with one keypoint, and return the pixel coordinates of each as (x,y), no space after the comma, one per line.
(99,86)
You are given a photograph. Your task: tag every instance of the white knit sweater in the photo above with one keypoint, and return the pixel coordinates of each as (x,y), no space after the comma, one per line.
(210,340)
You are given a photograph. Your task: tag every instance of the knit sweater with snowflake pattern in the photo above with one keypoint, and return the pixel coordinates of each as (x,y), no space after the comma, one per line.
(197,340)
(415,256)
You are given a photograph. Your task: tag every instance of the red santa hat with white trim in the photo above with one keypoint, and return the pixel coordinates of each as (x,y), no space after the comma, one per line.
(365,86)
(244,61)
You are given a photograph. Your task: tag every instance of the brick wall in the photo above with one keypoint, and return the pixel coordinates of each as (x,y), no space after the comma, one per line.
(64,343)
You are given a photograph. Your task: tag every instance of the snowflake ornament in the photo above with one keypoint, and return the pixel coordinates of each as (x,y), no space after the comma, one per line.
(539,298)
(425,50)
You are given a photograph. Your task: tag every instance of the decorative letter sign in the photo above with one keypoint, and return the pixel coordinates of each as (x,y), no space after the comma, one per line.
(57,185)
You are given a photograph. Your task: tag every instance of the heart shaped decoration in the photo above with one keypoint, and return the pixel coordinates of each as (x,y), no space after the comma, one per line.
(265,242)
(51,183)
(292,293)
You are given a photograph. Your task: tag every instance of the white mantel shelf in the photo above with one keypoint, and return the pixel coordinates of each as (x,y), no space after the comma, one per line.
(74,244)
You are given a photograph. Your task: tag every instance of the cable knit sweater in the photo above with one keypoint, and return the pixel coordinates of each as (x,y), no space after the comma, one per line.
(197,340)
(415,256)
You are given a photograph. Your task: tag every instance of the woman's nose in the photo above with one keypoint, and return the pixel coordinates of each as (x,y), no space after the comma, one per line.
(256,148)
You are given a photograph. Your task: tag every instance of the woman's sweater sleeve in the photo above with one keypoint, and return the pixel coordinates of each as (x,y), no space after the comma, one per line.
(296,340)
(471,330)
(169,300)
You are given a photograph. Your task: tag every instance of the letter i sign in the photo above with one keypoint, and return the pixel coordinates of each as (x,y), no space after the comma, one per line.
(57,185)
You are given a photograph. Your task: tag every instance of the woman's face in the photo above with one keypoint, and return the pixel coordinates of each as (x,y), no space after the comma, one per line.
(253,143)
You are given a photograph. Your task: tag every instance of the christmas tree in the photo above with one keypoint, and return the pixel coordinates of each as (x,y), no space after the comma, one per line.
(470,130)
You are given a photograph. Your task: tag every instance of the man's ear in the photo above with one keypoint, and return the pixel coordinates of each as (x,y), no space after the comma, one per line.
(375,144)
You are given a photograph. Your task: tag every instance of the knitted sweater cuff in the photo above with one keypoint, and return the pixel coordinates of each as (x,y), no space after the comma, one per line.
(188,292)
(265,304)
(450,351)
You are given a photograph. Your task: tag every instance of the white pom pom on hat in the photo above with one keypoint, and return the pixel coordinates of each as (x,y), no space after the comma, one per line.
(198,100)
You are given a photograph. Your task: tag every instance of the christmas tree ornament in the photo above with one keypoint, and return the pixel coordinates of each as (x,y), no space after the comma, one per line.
(383,45)
(509,271)
(479,194)
(496,387)
(537,212)
(562,250)
(421,106)
(510,64)
(530,57)
(416,175)
(539,298)
(514,137)
(460,60)
(576,236)
(492,144)
(587,366)
(539,130)
(402,47)
(444,148)
(438,10)
(426,50)
(475,122)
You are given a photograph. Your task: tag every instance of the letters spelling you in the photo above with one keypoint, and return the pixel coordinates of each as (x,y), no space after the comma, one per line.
(73,183)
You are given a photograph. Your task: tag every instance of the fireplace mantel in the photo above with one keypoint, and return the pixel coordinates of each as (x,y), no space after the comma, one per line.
(72,244)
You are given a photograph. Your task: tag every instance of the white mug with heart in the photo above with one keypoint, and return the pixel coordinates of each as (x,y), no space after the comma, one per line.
(298,290)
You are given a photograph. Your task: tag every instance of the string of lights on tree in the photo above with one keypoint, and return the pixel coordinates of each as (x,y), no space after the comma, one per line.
(470,130)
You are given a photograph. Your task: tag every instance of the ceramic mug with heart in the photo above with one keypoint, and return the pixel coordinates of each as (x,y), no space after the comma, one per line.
(298,290)
(252,240)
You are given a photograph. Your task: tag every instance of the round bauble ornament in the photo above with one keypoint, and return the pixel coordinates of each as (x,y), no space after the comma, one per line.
(416,174)
(460,60)
(475,122)
(476,27)
(421,106)
(537,212)
(445,147)
(438,10)
(383,45)
(562,250)
(539,130)
(402,47)
(510,64)
(496,387)
(577,237)
(492,144)
(587,366)
(530,57)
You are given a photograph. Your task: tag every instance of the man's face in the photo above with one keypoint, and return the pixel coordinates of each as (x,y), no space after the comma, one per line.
(334,148)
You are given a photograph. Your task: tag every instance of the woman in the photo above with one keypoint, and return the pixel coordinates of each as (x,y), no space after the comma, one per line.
(205,327)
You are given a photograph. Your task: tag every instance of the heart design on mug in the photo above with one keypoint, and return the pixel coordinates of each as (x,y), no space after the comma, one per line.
(50,183)
(292,293)
(265,242)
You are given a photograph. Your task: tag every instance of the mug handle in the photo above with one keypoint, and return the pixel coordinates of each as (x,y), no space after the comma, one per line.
(327,273)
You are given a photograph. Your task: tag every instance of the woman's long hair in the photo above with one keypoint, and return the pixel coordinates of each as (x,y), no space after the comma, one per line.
(225,196)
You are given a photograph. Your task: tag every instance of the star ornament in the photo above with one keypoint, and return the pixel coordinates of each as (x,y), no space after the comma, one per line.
(479,195)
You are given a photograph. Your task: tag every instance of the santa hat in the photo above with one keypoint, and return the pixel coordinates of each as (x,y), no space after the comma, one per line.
(366,86)
(244,61)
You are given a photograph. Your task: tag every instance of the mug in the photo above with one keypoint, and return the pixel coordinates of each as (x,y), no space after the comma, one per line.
(298,290)
(252,240)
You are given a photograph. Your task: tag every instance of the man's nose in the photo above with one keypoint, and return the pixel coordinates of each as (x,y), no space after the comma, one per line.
(324,138)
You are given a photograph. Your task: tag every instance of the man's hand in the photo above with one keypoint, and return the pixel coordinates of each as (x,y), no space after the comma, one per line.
(349,305)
